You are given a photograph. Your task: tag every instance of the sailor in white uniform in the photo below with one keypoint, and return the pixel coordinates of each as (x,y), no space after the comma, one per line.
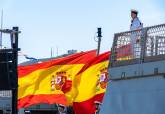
(135,35)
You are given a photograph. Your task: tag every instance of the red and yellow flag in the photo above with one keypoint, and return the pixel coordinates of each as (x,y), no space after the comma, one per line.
(91,86)
(50,82)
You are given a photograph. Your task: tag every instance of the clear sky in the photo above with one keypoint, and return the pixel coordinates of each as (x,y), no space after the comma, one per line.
(72,24)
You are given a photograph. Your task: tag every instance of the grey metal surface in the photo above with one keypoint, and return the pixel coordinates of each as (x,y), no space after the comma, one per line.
(21,111)
(137,70)
(135,96)
(137,83)
(39,107)
(6,104)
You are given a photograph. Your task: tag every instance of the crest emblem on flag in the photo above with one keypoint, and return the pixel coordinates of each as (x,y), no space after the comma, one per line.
(103,79)
(61,82)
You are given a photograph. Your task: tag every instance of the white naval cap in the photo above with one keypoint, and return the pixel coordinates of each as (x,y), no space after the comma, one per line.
(98,102)
(134,11)
(61,105)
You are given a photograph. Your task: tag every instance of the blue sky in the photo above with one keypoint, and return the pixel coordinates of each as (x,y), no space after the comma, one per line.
(72,24)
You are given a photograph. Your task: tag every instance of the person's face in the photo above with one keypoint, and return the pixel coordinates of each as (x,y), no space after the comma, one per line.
(97,106)
(133,15)
(61,109)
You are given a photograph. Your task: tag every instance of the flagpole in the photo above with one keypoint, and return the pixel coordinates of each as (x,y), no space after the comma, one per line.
(57,50)
(51,55)
(1,28)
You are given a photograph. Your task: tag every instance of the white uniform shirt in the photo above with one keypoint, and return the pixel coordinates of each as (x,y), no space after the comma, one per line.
(136,24)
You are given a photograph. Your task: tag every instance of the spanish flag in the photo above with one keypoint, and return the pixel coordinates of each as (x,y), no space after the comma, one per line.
(52,81)
(91,84)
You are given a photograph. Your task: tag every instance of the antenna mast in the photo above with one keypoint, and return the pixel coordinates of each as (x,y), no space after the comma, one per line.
(99,40)
(1,29)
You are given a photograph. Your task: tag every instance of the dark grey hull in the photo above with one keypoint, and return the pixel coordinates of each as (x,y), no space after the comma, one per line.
(140,91)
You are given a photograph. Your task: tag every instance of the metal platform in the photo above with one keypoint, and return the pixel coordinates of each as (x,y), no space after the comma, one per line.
(137,73)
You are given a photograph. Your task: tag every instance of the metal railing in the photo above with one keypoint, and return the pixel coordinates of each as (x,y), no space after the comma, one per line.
(147,44)
(6,93)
